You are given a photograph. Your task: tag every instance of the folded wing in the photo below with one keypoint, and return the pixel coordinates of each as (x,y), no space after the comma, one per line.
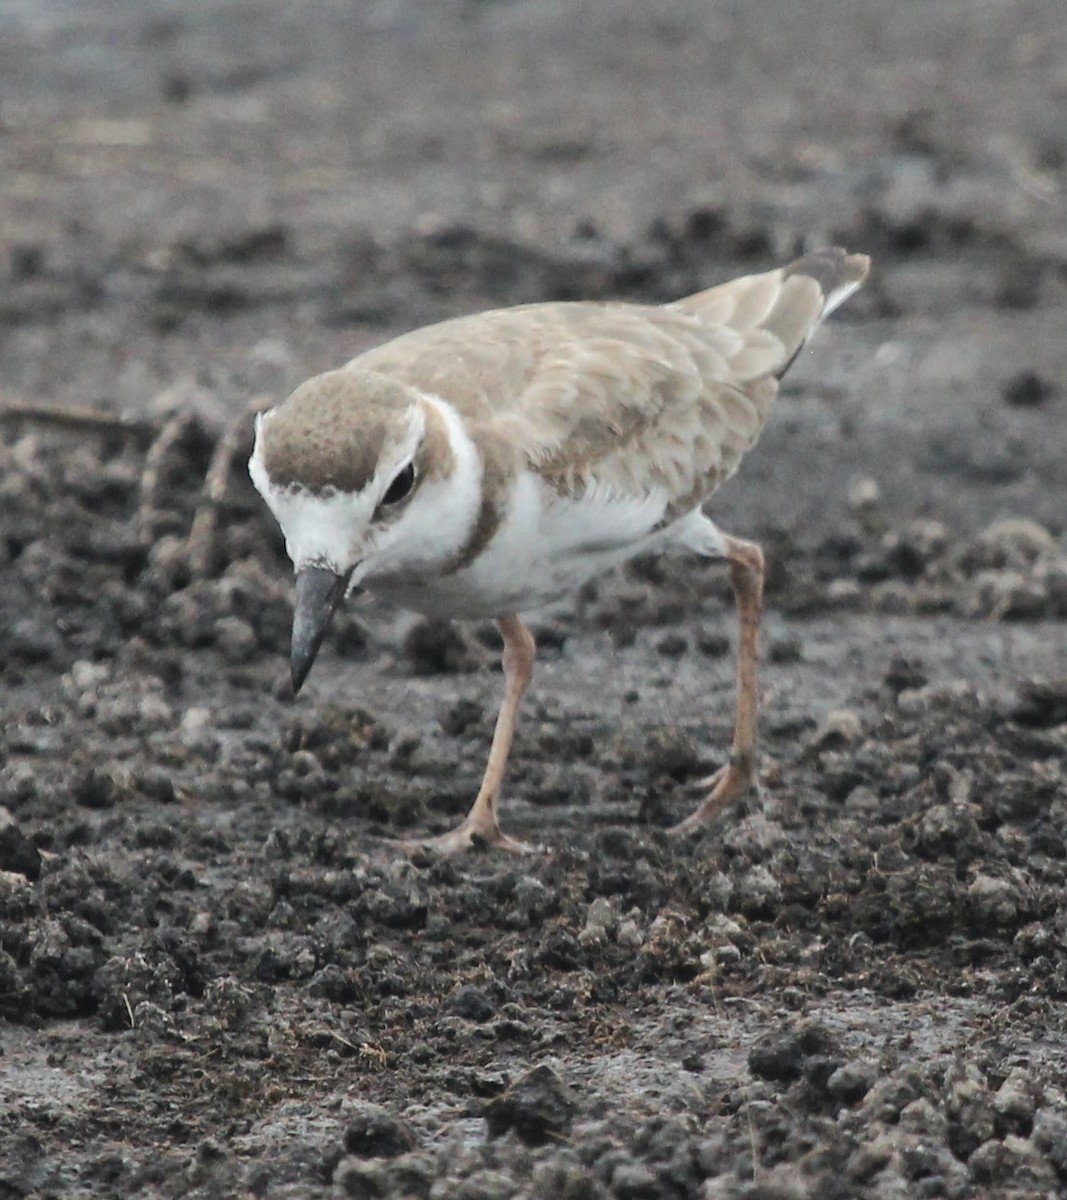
(628,399)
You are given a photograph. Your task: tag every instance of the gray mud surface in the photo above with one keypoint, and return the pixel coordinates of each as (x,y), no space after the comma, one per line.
(217,979)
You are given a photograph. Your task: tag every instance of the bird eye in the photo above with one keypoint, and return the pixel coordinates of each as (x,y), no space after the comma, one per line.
(401,485)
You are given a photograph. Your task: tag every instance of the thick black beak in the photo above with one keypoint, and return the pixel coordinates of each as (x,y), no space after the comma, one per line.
(318,593)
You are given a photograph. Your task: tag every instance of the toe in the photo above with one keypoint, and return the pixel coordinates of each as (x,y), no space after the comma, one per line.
(465,837)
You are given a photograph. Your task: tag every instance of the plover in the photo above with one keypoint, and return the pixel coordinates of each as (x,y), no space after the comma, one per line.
(488,465)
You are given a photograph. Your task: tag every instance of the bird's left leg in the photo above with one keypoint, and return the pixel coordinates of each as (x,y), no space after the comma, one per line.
(481,825)
(739,774)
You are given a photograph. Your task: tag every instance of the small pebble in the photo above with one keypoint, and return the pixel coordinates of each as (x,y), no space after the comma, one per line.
(1015,1102)
(196,728)
(17,853)
(712,643)
(630,934)
(1027,390)
(96,789)
(373,1132)
(903,673)
(758,892)
(236,639)
(85,677)
(781,1054)
(842,727)
(154,712)
(361,1179)
(1012,542)
(536,1107)
(851,1082)
(843,593)
(1050,1137)
(1042,703)
(673,645)
(435,647)
(634,1181)
(473,1004)
(601,921)
(920,1116)
(864,494)
(785,650)
(993,901)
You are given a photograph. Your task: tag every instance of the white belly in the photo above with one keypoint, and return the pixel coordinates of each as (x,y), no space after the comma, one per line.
(546,548)
(498,585)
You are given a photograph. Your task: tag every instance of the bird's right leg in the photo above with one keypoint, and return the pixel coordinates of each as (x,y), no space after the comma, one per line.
(739,774)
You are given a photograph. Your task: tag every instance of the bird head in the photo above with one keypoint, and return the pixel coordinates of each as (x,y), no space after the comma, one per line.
(360,471)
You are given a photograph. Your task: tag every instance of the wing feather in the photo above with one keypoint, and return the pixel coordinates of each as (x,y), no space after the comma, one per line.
(631,399)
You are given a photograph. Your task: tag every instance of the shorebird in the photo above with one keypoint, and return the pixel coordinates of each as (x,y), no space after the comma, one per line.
(489,465)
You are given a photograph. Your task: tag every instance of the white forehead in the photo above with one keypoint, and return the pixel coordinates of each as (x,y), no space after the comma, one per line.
(321,530)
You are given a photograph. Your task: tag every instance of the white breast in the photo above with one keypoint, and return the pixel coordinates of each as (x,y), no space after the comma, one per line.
(546,547)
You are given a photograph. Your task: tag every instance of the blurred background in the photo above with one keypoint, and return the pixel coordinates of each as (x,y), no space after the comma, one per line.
(215,200)
(201,204)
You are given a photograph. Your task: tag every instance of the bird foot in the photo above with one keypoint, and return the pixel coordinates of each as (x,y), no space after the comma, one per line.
(467,836)
(728,785)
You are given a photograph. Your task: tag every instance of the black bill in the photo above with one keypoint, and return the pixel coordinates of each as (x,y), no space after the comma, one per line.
(318,593)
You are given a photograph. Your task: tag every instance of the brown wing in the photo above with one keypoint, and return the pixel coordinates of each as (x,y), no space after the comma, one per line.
(628,397)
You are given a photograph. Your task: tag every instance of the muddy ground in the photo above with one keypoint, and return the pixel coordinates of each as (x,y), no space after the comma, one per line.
(216,977)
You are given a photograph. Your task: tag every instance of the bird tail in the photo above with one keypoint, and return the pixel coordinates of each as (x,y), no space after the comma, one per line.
(787,304)
(837,273)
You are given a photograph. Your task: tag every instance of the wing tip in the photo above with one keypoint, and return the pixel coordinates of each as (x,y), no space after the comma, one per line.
(836,271)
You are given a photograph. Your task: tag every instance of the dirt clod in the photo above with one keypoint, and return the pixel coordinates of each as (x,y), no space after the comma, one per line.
(17,853)
(440,648)
(538,1106)
(1027,389)
(788,1054)
(372,1132)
